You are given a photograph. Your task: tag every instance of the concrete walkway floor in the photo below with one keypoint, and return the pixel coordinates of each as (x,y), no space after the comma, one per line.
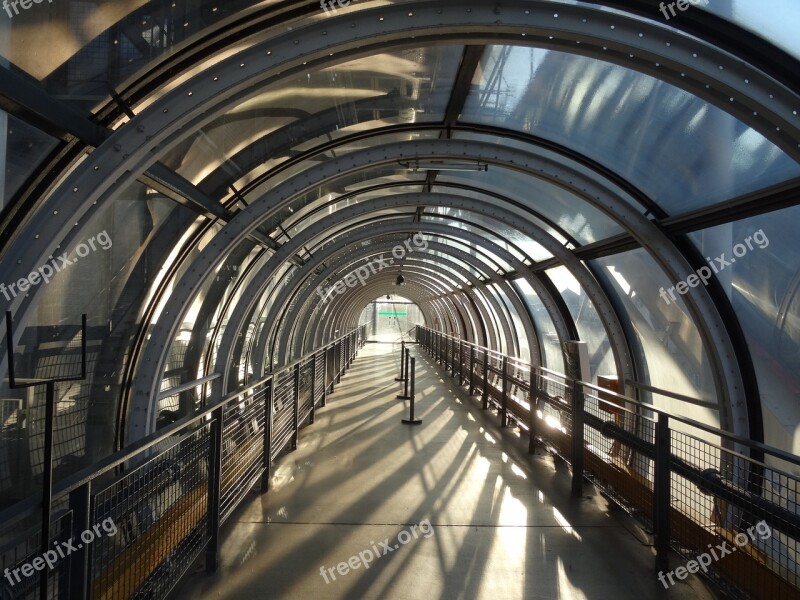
(369,508)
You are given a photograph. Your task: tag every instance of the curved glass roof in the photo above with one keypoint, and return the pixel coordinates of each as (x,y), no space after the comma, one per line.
(567,170)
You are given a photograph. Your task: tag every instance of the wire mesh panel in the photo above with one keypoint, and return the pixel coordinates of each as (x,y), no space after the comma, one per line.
(160,511)
(757,525)
(25,562)
(319,382)
(283,411)
(306,398)
(242,448)
(554,408)
(519,405)
(613,465)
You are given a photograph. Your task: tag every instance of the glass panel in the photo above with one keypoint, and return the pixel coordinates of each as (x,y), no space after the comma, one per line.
(680,150)
(92,47)
(777,21)
(671,351)
(553,359)
(576,218)
(518,244)
(111,269)
(404,86)
(22,149)
(389,320)
(587,320)
(762,281)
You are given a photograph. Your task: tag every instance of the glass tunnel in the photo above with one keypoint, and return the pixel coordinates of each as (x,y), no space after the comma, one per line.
(209,209)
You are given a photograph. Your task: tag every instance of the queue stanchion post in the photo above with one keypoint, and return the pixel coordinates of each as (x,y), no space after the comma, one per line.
(402,359)
(404,395)
(412,376)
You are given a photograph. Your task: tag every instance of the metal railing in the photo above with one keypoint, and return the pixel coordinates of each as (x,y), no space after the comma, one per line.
(166,495)
(695,487)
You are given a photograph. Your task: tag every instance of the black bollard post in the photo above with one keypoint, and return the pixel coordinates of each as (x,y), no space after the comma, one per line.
(412,376)
(404,395)
(402,358)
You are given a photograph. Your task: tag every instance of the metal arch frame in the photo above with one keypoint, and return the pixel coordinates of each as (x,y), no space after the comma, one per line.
(115,169)
(558,311)
(450,312)
(432,263)
(442,293)
(446,232)
(273,201)
(324,324)
(439,296)
(721,351)
(367,253)
(765,104)
(422,289)
(320,227)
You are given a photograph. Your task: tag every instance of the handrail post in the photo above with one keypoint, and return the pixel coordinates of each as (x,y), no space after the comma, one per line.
(412,376)
(339,365)
(662,492)
(533,398)
(504,395)
(577,438)
(296,416)
(312,416)
(485,392)
(460,363)
(47,480)
(471,370)
(80,575)
(214,489)
(452,358)
(268,425)
(324,400)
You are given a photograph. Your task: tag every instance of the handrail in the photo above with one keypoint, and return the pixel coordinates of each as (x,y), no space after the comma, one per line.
(777,452)
(69,484)
(188,385)
(657,465)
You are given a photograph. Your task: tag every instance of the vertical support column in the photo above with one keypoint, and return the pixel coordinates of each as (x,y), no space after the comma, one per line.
(504,395)
(296,416)
(214,489)
(80,501)
(577,438)
(662,492)
(460,363)
(339,365)
(324,399)
(312,416)
(268,413)
(485,391)
(471,370)
(533,397)
(47,480)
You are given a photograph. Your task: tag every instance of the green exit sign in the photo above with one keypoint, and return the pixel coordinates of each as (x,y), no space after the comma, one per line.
(392,314)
